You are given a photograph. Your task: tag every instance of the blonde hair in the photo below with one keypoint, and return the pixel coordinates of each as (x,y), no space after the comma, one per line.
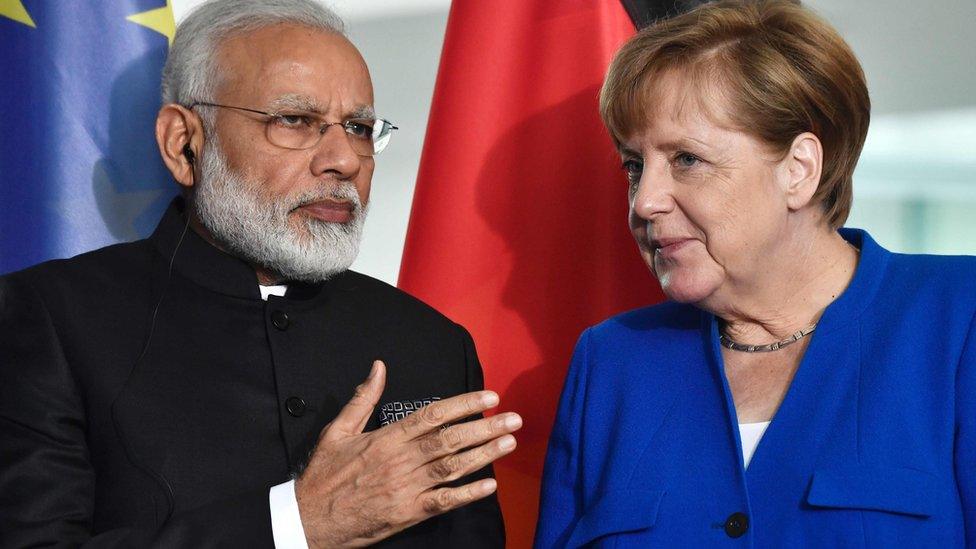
(783,70)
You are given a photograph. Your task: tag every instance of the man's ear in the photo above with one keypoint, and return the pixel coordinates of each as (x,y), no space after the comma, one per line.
(804,167)
(179,134)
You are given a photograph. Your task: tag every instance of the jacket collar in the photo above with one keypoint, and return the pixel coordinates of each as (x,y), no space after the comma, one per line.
(860,293)
(207,266)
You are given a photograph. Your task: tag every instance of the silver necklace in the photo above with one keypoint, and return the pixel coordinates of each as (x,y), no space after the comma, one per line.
(727,342)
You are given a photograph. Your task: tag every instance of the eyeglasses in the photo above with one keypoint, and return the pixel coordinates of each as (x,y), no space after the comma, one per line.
(295,129)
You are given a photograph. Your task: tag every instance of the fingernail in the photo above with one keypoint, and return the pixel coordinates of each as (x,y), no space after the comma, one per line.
(507,442)
(373,370)
(490,399)
(489,485)
(513,421)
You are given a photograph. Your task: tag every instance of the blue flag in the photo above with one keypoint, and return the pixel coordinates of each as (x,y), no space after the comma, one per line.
(79,92)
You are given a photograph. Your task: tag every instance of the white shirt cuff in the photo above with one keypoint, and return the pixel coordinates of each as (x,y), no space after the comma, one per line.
(286,522)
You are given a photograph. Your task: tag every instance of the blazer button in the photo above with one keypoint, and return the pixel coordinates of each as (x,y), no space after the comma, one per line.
(295,406)
(736,525)
(280,320)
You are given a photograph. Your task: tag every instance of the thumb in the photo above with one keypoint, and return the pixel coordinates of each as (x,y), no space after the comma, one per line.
(354,415)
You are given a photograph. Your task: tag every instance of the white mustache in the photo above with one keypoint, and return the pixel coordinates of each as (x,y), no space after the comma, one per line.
(341,191)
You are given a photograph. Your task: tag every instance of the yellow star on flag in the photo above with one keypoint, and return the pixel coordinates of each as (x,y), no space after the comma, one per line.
(14,9)
(160,20)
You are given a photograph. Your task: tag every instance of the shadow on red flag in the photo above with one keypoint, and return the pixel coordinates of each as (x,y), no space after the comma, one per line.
(519,223)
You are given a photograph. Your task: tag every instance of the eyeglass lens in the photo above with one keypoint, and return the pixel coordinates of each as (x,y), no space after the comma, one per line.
(366,136)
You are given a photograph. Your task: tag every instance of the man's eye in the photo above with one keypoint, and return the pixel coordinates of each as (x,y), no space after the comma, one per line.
(686,160)
(359,129)
(633,168)
(293,121)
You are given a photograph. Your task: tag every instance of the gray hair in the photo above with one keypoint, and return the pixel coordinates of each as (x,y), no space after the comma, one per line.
(191,72)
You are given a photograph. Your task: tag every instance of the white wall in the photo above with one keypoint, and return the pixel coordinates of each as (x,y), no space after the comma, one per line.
(915,188)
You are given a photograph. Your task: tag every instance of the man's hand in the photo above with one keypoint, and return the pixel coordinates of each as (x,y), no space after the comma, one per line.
(360,488)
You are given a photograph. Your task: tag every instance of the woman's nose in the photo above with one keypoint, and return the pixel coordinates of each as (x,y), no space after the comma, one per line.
(653,195)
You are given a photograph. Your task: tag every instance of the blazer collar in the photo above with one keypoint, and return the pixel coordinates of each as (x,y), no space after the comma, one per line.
(849,306)
(828,370)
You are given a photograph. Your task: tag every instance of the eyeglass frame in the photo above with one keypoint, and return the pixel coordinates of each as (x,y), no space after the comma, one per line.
(322,128)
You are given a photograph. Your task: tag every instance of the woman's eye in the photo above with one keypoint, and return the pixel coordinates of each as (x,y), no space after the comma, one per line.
(633,169)
(686,160)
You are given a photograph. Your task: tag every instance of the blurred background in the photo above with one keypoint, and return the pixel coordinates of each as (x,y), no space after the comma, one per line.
(915,185)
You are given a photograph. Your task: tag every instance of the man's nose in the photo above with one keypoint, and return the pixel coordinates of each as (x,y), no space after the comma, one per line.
(334,154)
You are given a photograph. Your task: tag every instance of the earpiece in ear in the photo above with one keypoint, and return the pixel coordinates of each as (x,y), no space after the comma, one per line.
(188,153)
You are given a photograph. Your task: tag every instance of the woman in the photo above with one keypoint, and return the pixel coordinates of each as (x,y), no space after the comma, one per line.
(802,387)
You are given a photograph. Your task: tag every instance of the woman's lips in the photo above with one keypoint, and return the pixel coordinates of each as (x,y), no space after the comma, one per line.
(666,248)
(329,211)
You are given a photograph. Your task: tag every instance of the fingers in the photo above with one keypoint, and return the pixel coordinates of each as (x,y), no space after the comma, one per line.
(355,414)
(454,466)
(465,435)
(442,412)
(441,500)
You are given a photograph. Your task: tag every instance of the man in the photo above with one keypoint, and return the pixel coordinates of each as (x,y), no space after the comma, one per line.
(163,392)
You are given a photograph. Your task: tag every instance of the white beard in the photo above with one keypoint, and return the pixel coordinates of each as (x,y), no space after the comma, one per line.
(255,227)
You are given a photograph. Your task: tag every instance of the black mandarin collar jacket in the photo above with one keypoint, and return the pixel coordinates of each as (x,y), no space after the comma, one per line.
(115,437)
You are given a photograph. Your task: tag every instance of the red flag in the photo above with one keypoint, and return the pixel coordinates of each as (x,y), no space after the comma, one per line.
(519,222)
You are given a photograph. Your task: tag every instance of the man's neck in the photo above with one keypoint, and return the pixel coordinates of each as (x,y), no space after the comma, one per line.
(266,277)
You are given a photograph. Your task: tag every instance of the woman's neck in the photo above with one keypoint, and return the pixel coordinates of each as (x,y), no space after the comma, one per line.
(791,291)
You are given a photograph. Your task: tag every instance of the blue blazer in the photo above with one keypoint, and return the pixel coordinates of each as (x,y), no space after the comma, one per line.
(873,446)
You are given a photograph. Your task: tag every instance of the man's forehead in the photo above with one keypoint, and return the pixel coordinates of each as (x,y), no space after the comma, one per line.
(281,37)
(296,66)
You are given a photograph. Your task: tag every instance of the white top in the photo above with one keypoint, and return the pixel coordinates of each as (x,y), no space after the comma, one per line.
(286,522)
(751,433)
